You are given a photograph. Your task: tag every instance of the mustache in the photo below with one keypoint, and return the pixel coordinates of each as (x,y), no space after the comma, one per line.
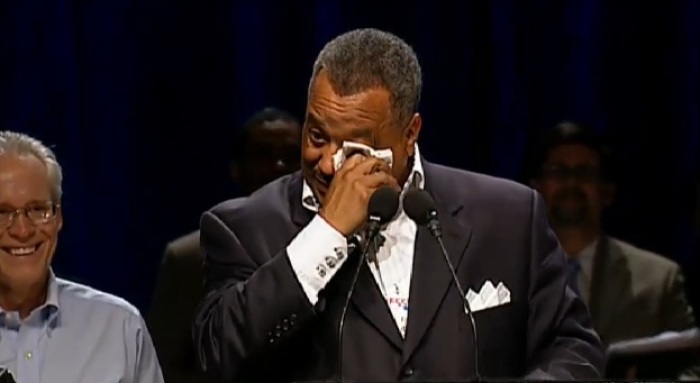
(571,193)
(322,179)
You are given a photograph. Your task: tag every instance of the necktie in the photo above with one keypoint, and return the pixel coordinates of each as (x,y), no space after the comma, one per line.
(574,268)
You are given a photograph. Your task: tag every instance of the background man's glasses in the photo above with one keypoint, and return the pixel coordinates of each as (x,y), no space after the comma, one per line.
(579,173)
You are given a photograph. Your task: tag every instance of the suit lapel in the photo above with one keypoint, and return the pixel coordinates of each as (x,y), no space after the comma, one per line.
(431,278)
(369,301)
(610,280)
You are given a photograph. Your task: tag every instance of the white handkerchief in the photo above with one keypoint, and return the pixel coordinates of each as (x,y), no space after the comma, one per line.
(503,294)
(488,296)
(349,148)
(473,299)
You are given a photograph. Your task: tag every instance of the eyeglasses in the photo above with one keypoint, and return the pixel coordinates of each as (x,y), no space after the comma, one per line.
(581,173)
(38,214)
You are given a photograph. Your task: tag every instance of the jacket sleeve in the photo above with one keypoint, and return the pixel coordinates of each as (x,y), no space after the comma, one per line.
(253,311)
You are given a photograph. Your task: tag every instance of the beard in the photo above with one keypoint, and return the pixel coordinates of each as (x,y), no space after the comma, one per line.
(570,208)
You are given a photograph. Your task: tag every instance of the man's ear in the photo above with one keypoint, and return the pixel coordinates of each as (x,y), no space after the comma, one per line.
(412,132)
(59,218)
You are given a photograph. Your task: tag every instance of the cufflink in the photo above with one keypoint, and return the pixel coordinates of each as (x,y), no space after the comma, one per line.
(321,269)
(331,262)
(340,253)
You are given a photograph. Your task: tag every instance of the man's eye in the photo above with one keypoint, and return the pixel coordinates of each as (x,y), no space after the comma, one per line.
(316,137)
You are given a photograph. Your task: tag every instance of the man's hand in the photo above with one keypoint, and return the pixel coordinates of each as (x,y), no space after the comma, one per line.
(345,206)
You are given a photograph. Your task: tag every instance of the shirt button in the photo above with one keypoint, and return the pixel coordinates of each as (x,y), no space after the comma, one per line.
(28,354)
(407,371)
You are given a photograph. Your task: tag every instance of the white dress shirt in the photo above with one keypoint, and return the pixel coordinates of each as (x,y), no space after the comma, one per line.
(319,250)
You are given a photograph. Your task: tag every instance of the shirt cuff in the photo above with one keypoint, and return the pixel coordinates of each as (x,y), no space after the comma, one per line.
(316,254)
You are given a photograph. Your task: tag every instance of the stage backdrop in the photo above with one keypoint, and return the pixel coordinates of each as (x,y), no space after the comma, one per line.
(138,98)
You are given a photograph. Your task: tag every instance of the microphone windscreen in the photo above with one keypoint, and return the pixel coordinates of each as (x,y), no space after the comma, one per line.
(419,205)
(383,204)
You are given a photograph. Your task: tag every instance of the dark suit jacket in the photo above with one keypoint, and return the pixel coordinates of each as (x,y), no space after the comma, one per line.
(636,294)
(179,289)
(256,323)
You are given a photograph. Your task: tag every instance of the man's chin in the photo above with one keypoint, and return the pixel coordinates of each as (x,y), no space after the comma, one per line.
(25,277)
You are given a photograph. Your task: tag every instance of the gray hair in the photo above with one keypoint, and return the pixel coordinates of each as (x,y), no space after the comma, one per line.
(20,144)
(364,59)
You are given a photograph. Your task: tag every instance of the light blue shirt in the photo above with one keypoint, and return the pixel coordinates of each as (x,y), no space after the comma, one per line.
(80,335)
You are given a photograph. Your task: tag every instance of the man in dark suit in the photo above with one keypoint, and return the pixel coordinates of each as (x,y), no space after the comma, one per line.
(266,148)
(278,265)
(631,293)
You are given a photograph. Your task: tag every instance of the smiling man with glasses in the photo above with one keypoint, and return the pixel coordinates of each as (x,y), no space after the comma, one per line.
(631,292)
(51,329)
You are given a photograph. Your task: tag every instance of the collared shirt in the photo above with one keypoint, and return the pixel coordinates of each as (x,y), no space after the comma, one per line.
(79,335)
(318,251)
(585,258)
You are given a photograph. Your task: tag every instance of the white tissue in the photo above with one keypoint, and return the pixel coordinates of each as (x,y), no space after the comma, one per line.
(350,148)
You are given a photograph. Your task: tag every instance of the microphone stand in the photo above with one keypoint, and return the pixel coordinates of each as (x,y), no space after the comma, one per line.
(373,229)
(434,228)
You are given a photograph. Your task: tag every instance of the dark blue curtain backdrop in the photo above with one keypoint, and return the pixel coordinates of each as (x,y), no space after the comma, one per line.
(139,96)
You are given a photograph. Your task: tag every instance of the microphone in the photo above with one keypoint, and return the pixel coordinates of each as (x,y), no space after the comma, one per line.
(382,207)
(420,207)
(6,376)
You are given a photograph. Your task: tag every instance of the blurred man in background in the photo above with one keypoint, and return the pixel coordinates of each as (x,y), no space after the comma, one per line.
(266,148)
(51,329)
(631,293)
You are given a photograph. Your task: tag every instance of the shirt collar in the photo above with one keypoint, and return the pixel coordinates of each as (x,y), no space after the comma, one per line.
(585,257)
(415,179)
(52,294)
(48,311)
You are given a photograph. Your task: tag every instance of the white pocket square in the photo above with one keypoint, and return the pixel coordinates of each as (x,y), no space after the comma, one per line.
(488,296)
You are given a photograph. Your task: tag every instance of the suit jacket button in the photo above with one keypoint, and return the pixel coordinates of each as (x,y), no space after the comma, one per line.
(407,371)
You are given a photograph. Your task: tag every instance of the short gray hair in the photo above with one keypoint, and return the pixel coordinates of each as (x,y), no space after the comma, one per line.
(364,59)
(20,144)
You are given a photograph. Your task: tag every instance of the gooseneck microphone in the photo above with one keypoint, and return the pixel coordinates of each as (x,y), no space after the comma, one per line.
(382,207)
(420,207)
